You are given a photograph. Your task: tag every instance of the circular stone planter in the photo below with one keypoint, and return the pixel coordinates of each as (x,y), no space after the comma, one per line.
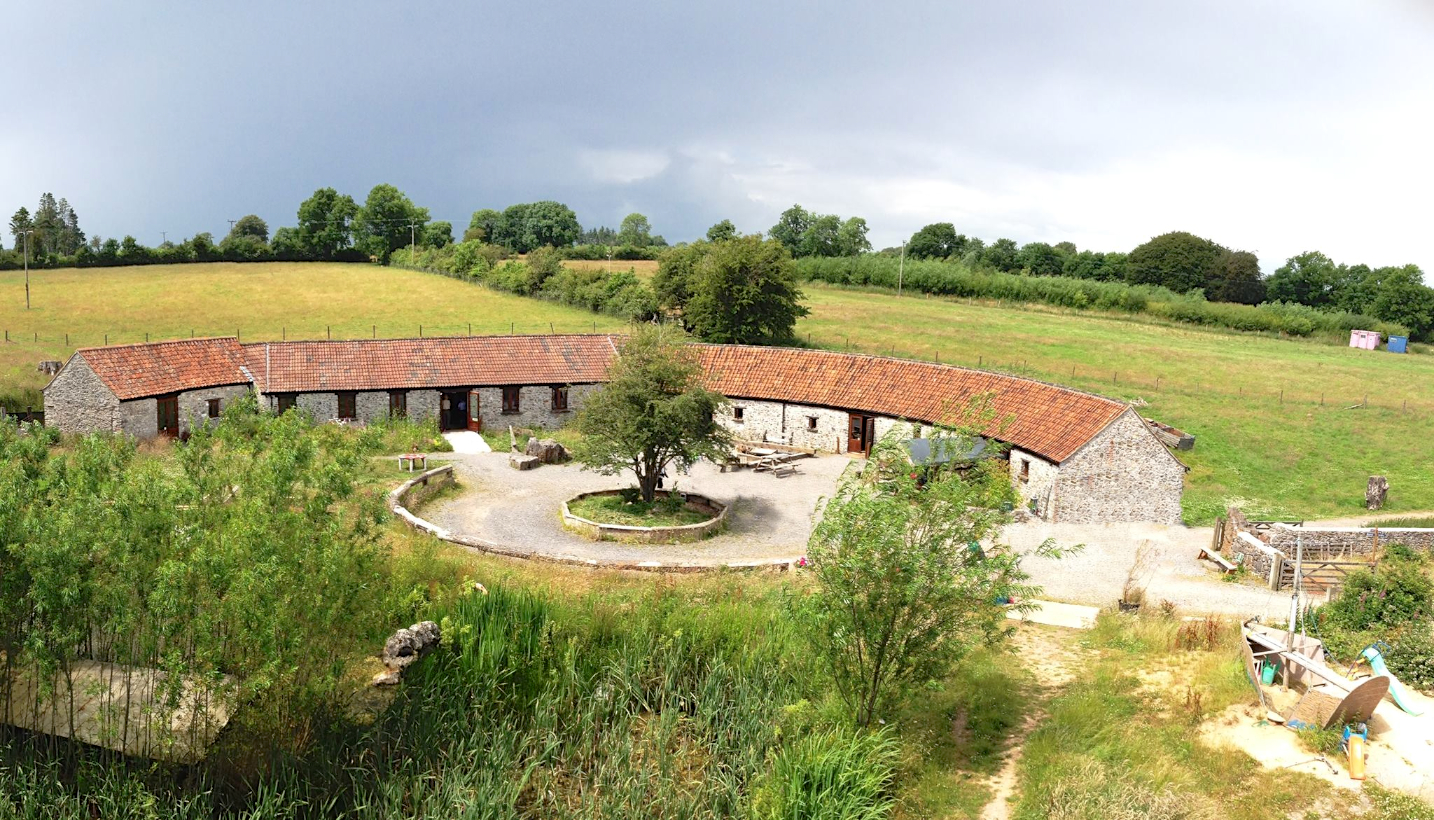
(599,531)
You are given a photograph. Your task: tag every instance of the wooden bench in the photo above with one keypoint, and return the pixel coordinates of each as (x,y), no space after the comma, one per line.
(1226,565)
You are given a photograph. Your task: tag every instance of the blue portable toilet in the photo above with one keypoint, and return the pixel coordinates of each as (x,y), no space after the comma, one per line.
(1397,344)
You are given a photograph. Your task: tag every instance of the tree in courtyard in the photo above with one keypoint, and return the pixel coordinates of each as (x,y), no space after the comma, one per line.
(739,292)
(326,222)
(903,591)
(722,231)
(652,413)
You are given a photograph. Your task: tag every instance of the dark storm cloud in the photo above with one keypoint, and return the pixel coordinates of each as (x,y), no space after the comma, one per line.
(1269,126)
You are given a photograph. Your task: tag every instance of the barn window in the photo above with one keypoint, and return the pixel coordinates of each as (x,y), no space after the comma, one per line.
(1025,470)
(510,399)
(398,403)
(213,408)
(347,405)
(285,401)
(560,399)
(811,422)
(737,413)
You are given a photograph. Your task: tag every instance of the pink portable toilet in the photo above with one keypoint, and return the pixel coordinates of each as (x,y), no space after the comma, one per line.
(1371,340)
(1354,338)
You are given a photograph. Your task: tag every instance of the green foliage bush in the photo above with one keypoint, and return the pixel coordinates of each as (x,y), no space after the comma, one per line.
(1394,604)
(619,293)
(830,775)
(950,278)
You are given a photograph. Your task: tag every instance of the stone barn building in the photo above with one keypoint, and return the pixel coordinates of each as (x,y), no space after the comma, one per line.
(1074,456)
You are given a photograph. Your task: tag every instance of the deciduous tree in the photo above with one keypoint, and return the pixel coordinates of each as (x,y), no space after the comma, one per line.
(744,292)
(1178,260)
(251,225)
(652,412)
(635,230)
(938,240)
(326,222)
(387,221)
(904,591)
(722,231)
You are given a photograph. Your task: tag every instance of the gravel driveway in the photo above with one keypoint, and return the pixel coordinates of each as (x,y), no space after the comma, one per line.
(1096,575)
(771,517)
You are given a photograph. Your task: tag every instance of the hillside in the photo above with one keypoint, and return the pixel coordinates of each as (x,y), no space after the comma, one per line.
(1275,430)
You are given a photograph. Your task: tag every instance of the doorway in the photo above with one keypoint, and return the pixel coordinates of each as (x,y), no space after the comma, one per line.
(453,410)
(167,415)
(861,431)
(475,419)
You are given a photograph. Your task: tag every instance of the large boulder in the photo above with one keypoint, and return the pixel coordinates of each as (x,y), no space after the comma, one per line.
(547,451)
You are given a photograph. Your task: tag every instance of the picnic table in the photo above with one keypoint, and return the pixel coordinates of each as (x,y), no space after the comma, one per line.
(412,460)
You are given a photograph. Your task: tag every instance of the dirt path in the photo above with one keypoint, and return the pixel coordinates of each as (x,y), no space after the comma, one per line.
(1055,657)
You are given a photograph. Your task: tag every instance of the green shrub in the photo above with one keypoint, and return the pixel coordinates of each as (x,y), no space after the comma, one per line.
(830,775)
(952,278)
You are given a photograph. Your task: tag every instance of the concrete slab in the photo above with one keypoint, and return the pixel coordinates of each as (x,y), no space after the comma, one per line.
(1051,613)
(467,442)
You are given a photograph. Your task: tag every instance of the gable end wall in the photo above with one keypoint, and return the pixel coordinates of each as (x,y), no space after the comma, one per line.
(1123,474)
(76,401)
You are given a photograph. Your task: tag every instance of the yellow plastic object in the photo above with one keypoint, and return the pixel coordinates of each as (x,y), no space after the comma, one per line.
(1356,757)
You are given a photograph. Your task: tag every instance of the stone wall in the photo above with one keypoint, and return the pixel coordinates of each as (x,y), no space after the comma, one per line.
(1331,542)
(194,404)
(320,406)
(139,418)
(535,407)
(1123,474)
(76,401)
(789,424)
(370,406)
(423,405)
(1040,482)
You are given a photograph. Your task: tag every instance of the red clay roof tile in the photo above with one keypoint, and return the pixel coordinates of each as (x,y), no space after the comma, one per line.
(1049,420)
(139,370)
(395,364)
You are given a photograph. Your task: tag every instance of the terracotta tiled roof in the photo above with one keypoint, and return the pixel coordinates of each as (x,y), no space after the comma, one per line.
(1047,419)
(139,370)
(394,364)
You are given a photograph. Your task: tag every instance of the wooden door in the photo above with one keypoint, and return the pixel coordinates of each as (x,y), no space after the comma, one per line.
(167,415)
(856,433)
(475,419)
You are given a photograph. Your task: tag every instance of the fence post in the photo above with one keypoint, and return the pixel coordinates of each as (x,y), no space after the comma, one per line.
(420,331)
(551,330)
(329,332)
(470,328)
(67,340)
(146,337)
(375,331)
(512,328)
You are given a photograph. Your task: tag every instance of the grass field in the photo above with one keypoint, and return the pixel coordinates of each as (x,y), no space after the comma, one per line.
(259,301)
(644,268)
(1274,432)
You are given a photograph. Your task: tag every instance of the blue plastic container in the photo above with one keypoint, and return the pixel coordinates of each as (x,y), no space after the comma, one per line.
(1397,344)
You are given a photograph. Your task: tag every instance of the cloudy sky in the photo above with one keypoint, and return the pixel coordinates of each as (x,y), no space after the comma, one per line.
(1275,127)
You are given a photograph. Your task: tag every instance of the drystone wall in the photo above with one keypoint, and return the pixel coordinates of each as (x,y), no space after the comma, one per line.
(535,407)
(1039,480)
(321,407)
(76,401)
(795,425)
(139,418)
(194,404)
(1123,474)
(1354,541)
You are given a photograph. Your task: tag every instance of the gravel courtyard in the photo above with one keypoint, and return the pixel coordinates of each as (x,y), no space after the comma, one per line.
(1096,575)
(770,517)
